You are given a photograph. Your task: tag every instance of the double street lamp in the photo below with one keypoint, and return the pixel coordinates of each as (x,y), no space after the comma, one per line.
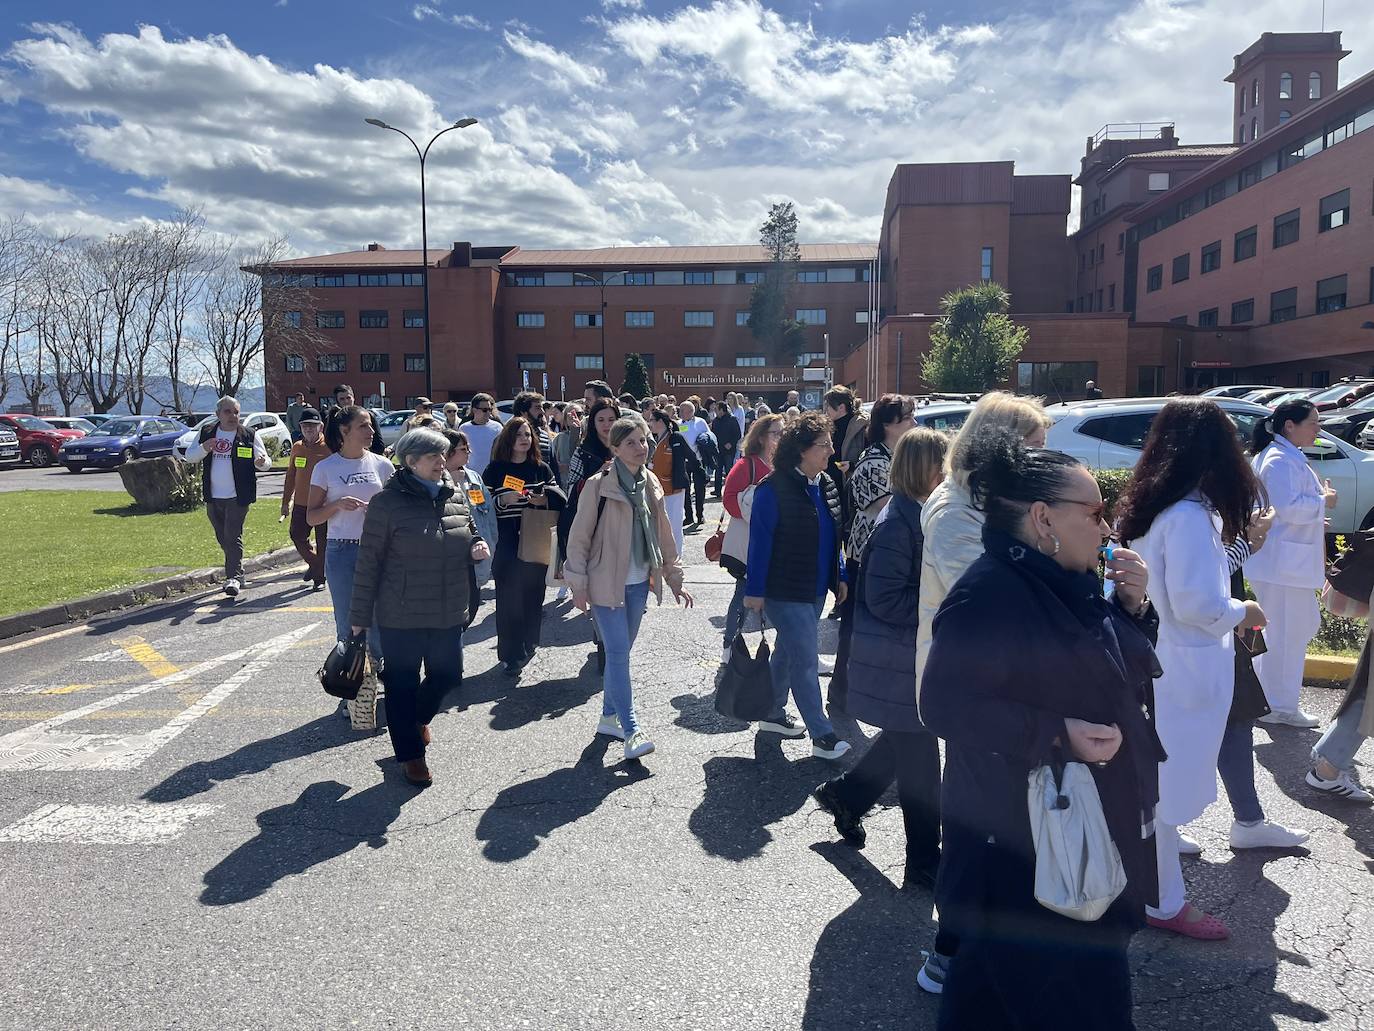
(462,123)
(601,284)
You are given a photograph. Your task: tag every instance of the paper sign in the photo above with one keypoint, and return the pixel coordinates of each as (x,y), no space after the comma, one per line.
(476,497)
(300,461)
(245,452)
(512,483)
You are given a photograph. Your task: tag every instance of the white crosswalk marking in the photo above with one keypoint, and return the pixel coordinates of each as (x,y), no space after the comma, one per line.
(137,824)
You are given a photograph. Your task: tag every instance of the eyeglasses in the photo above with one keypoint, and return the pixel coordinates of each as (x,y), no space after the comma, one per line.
(1096,509)
(487,410)
(462,447)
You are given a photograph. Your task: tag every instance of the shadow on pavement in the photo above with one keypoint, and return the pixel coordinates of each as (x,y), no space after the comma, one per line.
(855,984)
(319,826)
(522,815)
(697,713)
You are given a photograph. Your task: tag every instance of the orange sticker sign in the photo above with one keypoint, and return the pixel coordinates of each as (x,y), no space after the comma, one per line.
(476,497)
(513,483)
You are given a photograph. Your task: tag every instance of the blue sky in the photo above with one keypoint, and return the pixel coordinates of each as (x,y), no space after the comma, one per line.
(613,121)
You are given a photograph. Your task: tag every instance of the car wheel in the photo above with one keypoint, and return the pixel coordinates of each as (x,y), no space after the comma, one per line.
(75,468)
(128,455)
(40,457)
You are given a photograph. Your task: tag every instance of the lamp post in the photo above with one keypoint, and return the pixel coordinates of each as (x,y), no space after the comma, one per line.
(601,285)
(462,123)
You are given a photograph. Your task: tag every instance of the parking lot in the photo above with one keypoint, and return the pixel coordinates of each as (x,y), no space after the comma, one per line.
(18,476)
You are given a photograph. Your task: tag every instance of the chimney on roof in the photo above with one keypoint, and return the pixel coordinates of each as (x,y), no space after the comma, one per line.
(375,247)
(462,254)
(1167,135)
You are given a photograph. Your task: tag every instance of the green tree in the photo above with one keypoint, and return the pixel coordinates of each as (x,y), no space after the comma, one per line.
(636,377)
(974,343)
(779,336)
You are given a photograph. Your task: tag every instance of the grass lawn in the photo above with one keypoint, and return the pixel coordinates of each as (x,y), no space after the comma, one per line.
(62,545)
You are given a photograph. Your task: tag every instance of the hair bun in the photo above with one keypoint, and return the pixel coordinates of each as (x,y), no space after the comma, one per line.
(995,458)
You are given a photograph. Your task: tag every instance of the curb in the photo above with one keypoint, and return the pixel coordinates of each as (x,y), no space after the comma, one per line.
(138,594)
(1328,668)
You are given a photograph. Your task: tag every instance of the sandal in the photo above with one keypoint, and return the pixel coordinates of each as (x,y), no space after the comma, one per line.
(1208,928)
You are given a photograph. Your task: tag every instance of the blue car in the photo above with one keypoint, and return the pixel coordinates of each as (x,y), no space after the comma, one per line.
(121,440)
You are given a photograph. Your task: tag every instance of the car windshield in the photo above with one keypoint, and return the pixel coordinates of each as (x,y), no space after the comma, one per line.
(29,422)
(1335,393)
(1363,404)
(119,428)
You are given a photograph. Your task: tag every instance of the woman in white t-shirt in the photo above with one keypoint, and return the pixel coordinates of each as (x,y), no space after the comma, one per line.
(340,488)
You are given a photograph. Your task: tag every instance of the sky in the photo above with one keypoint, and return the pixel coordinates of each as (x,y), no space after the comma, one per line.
(600,122)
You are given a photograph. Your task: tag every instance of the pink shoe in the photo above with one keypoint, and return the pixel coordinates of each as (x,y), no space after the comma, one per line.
(1209,928)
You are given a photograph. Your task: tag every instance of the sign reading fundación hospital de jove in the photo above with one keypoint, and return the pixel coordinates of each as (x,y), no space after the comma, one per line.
(740,378)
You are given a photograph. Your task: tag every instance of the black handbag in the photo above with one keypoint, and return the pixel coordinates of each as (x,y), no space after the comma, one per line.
(1352,573)
(745,692)
(342,673)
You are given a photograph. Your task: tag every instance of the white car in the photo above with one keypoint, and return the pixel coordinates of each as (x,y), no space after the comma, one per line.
(267,425)
(393,425)
(1109,434)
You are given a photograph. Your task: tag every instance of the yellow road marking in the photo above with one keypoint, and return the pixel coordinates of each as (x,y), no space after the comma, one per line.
(147,656)
(68,689)
(157,714)
(46,637)
(310,608)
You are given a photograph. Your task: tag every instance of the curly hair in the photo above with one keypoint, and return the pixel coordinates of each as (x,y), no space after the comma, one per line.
(806,432)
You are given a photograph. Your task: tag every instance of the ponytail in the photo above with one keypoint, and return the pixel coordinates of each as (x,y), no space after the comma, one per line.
(1005,477)
(1273,426)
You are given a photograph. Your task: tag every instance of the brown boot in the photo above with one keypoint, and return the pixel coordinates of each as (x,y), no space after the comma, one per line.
(417,773)
(425,735)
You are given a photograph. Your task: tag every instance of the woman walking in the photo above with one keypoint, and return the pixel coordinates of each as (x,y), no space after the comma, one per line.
(520,482)
(760,444)
(1287,574)
(621,547)
(674,463)
(1192,493)
(794,560)
(566,443)
(413,569)
(306,453)
(341,486)
(1077,691)
(479,501)
(882,667)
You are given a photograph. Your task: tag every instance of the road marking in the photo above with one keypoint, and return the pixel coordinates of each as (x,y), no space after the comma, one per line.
(238,712)
(147,656)
(43,747)
(45,688)
(137,824)
(310,608)
(46,637)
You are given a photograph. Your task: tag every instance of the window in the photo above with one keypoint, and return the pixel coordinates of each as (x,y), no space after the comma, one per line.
(1242,311)
(744,361)
(741,318)
(1099,300)
(587,361)
(372,320)
(1053,379)
(1284,116)
(811,316)
(1101,253)
(807,357)
(649,359)
(1207,319)
(295,363)
(1314,86)
(375,363)
(293,319)
(1286,228)
(1283,305)
(1286,86)
(558,279)
(413,318)
(811,275)
(372,279)
(1181,265)
(1154,278)
(1321,379)
(1244,95)
(1254,128)
(532,362)
(1158,182)
(639,279)
(1334,211)
(840,275)
(861,316)
(985,263)
(1120,242)
(586,319)
(334,280)
(698,278)
(639,319)
(1179,320)
(748,278)
(1111,297)
(1246,242)
(1122,430)
(1211,257)
(1149,380)
(529,319)
(415,363)
(699,318)
(1254,92)
(1330,294)
(525,278)
(332,363)
(329,320)
(698,361)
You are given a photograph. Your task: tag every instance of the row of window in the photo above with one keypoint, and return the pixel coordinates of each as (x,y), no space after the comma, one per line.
(1331,295)
(1055,380)
(366,363)
(1085,301)
(374,319)
(695,319)
(675,277)
(325,280)
(539,362)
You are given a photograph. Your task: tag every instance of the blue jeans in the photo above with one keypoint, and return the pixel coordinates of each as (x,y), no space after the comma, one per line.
(410,702)
(1343,738)
(737,618)
(1236,764)
(794,663)
(339,559)
(618,628)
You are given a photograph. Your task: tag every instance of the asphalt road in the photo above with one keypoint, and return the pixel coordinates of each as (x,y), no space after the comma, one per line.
(192,838)
(21,476)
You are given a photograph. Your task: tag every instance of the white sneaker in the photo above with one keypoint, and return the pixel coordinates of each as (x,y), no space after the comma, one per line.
(1296,718)
(562,593)
(232,586)
(1345,785)
(610,726)
(1188,845)
(638,744)
(1266,834)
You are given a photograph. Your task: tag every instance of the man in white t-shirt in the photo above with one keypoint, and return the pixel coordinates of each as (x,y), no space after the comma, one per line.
(692,427)
(229,482)
(482,431)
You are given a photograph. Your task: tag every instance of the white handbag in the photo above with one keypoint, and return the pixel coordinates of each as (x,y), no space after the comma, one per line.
(1078,871)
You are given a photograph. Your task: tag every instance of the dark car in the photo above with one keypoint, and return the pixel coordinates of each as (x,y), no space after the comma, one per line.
(1342,394)
(122,440)
(39,440)
(1347,422)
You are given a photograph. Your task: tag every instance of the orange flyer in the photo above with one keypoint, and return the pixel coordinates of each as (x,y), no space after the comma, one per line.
(511,483)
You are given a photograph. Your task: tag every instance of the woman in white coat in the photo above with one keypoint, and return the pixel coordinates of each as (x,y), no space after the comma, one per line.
(1287,574)
(1192,491)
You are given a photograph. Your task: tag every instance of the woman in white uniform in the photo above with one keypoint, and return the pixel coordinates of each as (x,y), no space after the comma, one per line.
(1287,574)
(1192,491)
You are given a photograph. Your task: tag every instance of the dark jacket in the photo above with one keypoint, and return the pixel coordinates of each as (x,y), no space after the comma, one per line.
(727,432)
(245,472)
(1019,645)
(414,559)
(882,657)
(686,464)
(785,539)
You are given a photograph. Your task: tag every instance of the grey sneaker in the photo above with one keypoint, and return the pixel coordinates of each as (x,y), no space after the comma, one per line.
(638,744)
(784,725)
(832,746)
(931,976)
(233,585)
(1344,786)
(610,726)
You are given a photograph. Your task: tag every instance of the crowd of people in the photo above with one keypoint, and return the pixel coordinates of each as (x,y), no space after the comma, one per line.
(986,595)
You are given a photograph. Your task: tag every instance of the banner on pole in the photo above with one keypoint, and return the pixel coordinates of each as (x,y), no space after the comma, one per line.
(546,384)
(524,379)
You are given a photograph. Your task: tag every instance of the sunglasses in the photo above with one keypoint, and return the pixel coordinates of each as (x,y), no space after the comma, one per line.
(1096,509)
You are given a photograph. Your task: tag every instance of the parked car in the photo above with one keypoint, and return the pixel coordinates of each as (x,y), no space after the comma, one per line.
(1348,422)
(122,440)
(393,425)
(71,422)
(39,440)
(99,420)
(1341,394)
(1236,390)
(191,418)
(267,425)
(1269,396)
(9,445)
(1110,434)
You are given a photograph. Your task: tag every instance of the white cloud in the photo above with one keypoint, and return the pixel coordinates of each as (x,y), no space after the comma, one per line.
(423,12)
(563,67)
(632,5)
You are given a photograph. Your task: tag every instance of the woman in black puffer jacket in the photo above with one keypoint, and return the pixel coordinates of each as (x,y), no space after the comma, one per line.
(414,571)
(882,669)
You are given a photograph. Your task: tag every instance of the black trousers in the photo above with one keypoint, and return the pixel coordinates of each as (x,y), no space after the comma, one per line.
(226,518)
(519,603)
(697,491)
(912,759)
(411,702)
(838,692)
(300,537)
(723,467)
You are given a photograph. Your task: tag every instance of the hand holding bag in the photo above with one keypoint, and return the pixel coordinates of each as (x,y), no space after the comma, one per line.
(342,673)
(1078,871)
(716,541)
(538,527)
(745,692)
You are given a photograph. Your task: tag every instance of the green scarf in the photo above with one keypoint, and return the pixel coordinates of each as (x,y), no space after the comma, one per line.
(644,533)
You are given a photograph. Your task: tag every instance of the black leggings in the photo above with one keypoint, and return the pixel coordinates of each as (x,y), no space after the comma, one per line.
(519,603)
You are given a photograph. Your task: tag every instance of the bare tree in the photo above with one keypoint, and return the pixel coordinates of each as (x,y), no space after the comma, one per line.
(18,247)
(191,260)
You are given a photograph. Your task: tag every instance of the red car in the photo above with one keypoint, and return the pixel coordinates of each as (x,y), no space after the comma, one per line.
(38,440)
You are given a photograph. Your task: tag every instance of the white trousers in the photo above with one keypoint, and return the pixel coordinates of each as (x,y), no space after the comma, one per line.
(1293,618)
(672,504)
(1173,895)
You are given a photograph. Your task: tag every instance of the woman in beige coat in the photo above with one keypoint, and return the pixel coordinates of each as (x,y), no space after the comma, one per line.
(621,545)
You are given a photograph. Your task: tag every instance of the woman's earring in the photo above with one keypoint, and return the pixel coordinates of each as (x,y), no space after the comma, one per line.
(1040,547)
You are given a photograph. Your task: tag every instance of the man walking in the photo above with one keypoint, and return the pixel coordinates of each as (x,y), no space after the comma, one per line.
(229,482)
(343,397)
(693,426)
(295,405)
(482,431)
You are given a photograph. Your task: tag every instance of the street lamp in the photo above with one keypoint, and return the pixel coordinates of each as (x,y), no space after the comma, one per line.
(601,284)
(462,123)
